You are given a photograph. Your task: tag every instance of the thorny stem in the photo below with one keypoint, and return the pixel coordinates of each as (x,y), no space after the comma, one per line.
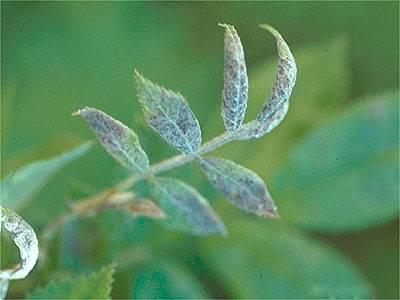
(100,200)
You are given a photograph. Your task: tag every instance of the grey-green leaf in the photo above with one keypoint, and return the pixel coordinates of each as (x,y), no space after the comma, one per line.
(344,176)
(120,141)
(276,106)
(234,95)
(185,208)
(20,186)
(169,114)
(241,186)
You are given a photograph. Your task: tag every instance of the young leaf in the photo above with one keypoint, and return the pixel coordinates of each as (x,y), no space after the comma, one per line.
(120,141)
(275,108)
(169,114)
(20,187)
(322,90)
(242,187)
(25,239)
(234,95)
(185,208)
(95,286)
(354,160)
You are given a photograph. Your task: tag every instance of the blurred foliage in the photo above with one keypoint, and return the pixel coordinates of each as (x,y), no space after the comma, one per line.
(95,285)
(58,57)
(353,160)
(19,187)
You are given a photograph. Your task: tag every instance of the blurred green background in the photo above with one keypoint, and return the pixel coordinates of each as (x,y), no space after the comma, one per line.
(58,57)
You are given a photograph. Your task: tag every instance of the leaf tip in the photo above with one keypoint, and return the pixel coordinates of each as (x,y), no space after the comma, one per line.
(80,112)
(271,29)
(270,213)
(136,73)
(139,78)
(224,25)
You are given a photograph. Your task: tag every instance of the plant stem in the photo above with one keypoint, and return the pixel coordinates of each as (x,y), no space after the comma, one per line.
(176,161)
(99,201)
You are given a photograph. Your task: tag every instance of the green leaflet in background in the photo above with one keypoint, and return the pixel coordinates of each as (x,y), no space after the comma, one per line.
(275,261)
(94,286)
(166,279)
(344,175)
(18,188)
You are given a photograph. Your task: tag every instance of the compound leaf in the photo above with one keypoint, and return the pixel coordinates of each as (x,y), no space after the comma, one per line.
(169,114)
(25,182)
(241,186)
(95,286)
(344,175)
(277,104)
(234,95)
(185,208)
(120,141)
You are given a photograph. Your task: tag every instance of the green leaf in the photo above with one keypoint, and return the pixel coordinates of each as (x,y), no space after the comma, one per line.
(94,286)
(344,175)
(167,279)
(269,260)
(18,188)
(185,208)
(234,94)
(241,186)
(169,114)
(277,104)
(120,141)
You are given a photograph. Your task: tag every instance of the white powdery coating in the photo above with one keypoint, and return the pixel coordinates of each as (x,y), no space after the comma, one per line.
(120,141)
(3,288)
(235,93)
(277,104)
(242,187)
(25,239)
(191,204)
(169,114)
